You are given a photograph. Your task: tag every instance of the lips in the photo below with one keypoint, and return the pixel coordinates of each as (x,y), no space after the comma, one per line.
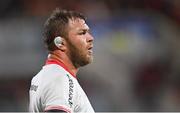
(90,49)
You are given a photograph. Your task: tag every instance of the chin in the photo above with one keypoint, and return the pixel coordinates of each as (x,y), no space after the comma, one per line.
(89,58)
(87,61)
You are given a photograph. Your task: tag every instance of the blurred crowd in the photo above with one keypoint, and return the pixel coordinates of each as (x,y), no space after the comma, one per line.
(136,52)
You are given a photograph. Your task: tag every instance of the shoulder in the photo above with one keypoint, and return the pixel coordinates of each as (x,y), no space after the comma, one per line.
(54,73)
(51,74)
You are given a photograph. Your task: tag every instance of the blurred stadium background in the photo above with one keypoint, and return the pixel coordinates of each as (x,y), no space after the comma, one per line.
(136,55)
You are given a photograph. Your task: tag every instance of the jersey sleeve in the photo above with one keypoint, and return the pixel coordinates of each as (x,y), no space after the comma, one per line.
(56,95)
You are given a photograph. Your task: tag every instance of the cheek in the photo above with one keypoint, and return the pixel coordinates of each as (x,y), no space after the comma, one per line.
(79,43)
(82,43)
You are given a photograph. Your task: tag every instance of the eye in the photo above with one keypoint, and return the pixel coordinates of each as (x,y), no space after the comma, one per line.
(82,33)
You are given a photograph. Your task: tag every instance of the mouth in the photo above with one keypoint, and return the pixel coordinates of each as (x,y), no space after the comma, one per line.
(90,49)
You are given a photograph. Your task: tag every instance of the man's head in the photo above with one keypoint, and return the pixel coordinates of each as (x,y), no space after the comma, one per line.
(77,41)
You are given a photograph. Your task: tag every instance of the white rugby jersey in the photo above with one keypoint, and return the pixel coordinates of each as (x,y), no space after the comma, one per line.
(55,87)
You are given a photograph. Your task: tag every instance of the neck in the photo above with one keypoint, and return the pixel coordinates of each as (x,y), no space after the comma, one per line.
(55,55)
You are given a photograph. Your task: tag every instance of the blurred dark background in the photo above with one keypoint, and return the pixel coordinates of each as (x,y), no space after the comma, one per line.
(136,55)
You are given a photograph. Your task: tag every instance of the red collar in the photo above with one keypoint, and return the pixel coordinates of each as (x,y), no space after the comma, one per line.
(52,61)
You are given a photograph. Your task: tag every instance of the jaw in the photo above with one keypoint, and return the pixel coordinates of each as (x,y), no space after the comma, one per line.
(83,60)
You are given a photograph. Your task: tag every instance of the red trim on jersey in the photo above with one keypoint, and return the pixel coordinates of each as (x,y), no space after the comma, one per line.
(52,61)
(57,108)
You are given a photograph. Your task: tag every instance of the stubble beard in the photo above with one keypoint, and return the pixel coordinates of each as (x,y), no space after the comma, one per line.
(79,57)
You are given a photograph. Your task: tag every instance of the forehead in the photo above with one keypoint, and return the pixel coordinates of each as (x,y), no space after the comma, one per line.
(77,24)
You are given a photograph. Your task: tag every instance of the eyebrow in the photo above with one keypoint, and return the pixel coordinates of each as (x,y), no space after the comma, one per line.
(84,29)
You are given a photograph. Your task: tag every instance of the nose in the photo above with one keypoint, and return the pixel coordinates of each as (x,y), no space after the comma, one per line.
(90,38)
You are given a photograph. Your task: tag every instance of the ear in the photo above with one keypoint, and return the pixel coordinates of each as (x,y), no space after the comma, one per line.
(60,43)
(63,45)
